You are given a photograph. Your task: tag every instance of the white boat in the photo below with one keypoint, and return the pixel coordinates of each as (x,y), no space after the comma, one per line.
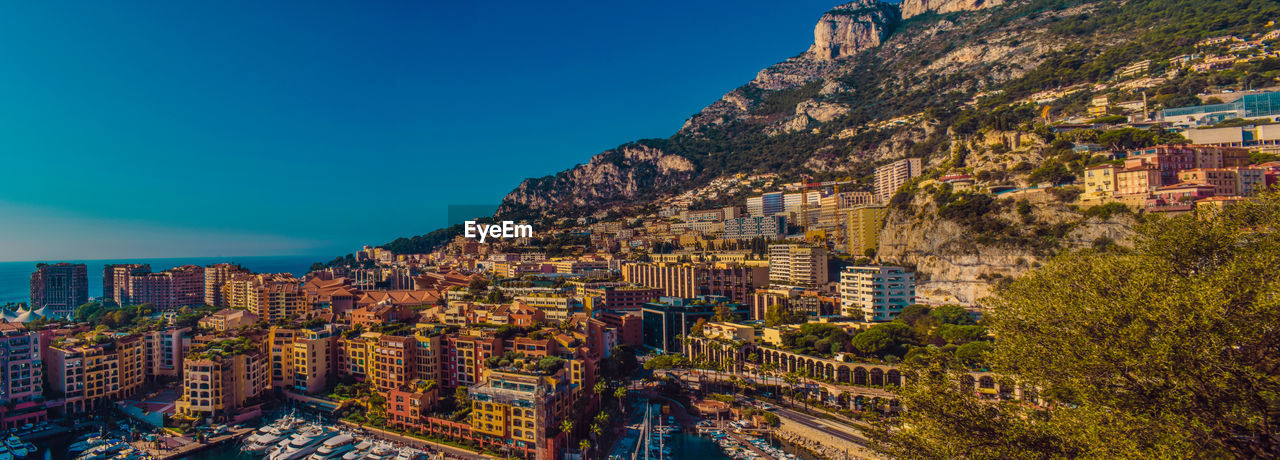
(4,453)
(334,448)
(88,443)
(102,452)
(381,452)
(361,448)
(17,448)
(305,443)
(409,454)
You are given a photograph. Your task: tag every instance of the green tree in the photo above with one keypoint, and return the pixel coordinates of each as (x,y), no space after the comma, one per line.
(1167,349)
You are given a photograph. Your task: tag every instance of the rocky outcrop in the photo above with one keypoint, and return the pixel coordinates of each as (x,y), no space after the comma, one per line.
(912,8)
(954,269)
(852,27)
(622,174)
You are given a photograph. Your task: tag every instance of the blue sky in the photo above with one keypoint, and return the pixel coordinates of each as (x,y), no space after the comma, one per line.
(179,129)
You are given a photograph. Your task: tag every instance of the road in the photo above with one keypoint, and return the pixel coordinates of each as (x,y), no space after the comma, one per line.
(840,430)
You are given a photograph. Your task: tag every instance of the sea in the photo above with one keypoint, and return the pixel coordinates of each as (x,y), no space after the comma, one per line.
(15,277)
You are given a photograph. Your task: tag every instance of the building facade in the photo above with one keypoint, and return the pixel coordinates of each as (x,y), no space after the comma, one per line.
(876,293)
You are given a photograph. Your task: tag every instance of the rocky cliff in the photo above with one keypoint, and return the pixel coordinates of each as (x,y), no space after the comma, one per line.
(630,172)
(852,27)
(911,8)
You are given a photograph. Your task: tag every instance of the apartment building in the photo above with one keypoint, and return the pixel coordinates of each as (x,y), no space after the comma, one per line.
(876,293)
(619,298)
(217,275)
(891,177)
(521,412)
(864,227)
(697,279)
(1170,159)
(59,288)
(220,384)
(269,296)
(21,377)
(90,374)
(115,281)
(177,287)
(164,350)
(745,228)
(466,354)
(797,265)
(556,307)
(228,319)
(1100,182)
(394,362)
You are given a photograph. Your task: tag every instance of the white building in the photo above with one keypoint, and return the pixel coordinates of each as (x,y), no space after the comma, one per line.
(876,292)
(797,265)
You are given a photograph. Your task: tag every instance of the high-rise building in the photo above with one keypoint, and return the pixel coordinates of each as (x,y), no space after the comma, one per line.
(889,178)
(521,411)
(177,287)
(697,279)
(59,288)
(745,228)
(794,264)
(864,227)
(670,318)
(90,374)
(765,205)
(394,362)
(219,384)
(21,377)
(270,296)
(217,275)
(876,293)
(164,350)
(115,281)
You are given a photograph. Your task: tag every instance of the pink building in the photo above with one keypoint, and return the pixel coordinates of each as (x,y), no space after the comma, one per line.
(172,288)
(1170,159)
(21,377)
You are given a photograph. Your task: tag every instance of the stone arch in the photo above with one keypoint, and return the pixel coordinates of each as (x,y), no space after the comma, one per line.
(842,374)
(860,376)
(893,377)
(968,381)
(877,377)
(830,372)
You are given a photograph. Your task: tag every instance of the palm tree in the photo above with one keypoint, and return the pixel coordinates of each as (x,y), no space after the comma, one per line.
(567,427)
(584,445)
(792,379)
(620,393)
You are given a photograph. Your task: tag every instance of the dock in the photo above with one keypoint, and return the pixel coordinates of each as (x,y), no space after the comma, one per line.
(173,447)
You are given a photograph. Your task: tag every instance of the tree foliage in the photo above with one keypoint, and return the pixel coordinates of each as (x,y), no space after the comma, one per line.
(1167,349)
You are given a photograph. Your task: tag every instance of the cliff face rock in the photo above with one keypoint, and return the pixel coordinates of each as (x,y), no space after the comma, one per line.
(917,7)
(842,32)
(852,27)
(625,173)
(954,268)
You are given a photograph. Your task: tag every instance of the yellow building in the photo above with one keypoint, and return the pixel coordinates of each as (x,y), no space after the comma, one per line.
(556,307)
(357,355)
(219,382)
(864,227)
(1100,183)
(515,406)
(270,296)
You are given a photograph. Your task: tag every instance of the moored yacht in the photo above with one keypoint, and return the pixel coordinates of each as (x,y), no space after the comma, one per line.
(334,448)
(358,452)
(17,448)
(303,444)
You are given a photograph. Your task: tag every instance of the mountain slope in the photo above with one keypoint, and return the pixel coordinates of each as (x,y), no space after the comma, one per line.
(883,81)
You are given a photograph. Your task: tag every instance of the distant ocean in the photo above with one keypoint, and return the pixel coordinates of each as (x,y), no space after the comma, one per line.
(15,277)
